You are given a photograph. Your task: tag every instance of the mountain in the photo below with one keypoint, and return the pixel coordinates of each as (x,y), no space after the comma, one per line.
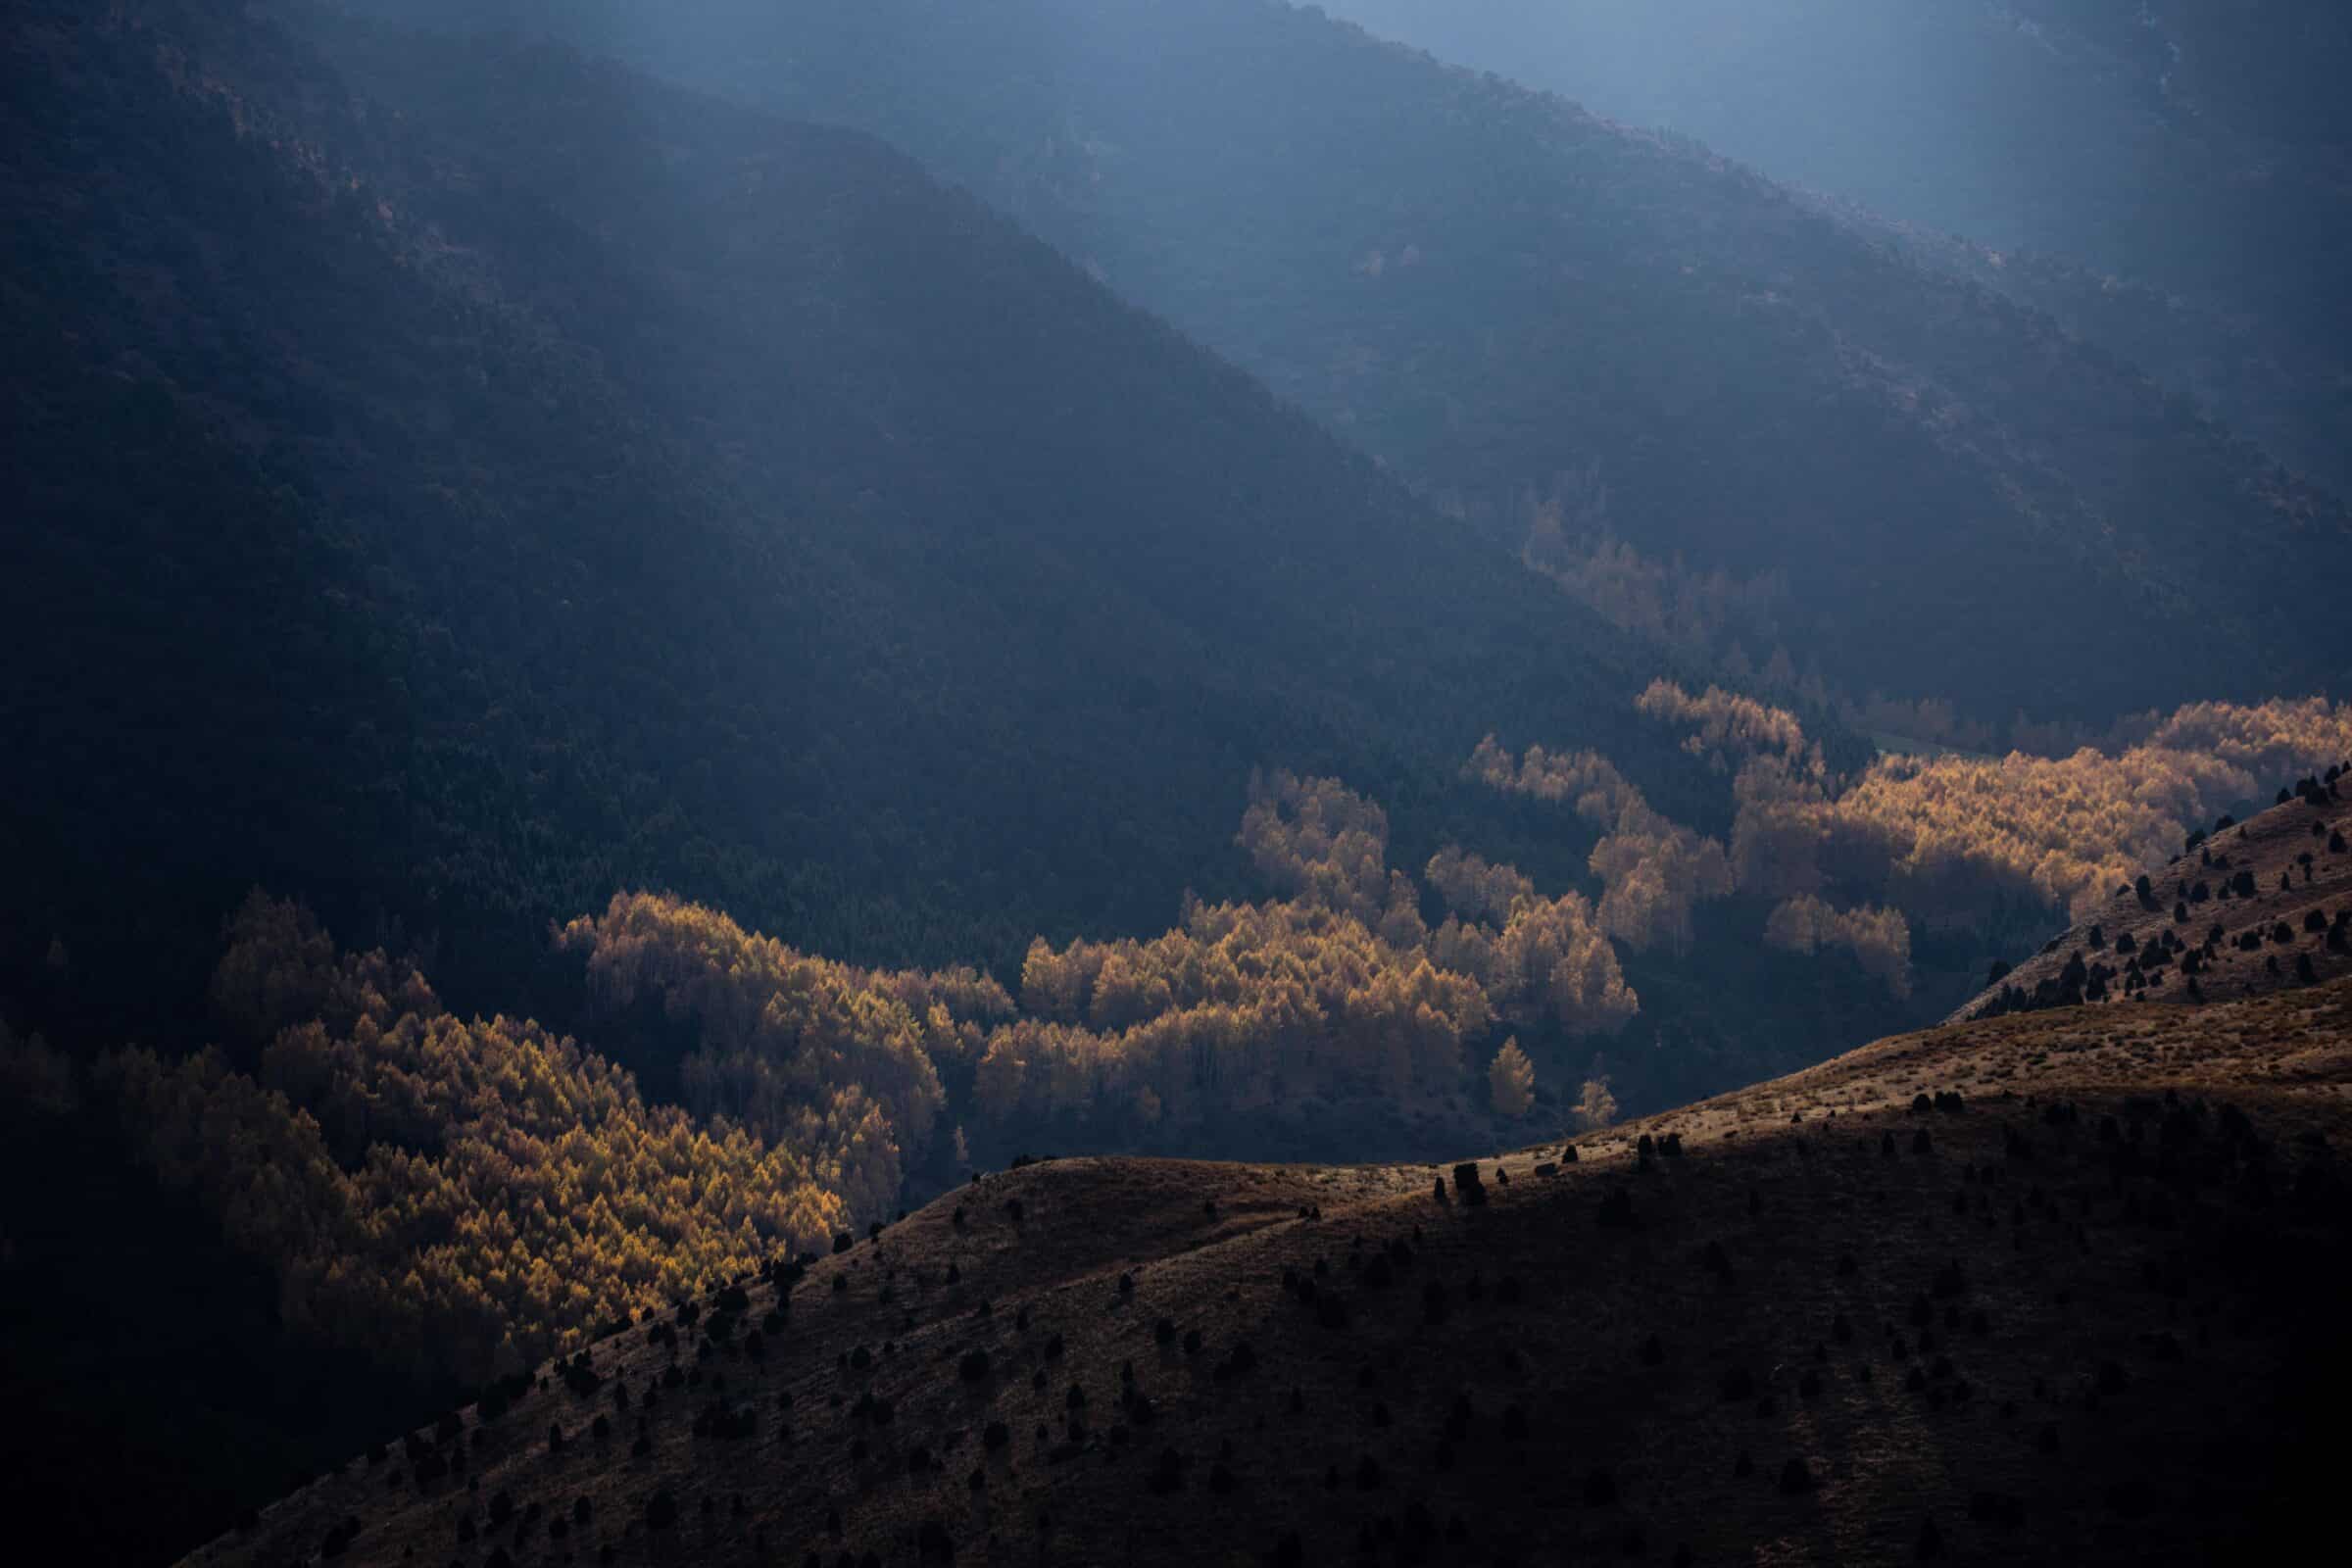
(2030,1287)
(759,662)
(1521,306)
(2174,181)
(455,484)
(467,480)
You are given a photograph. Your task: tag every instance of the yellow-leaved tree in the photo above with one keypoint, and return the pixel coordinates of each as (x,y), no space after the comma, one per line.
(1511,1081)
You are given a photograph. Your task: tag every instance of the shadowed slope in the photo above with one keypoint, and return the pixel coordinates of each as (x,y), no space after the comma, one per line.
(455,510)
(1511,300)
(2075,1304)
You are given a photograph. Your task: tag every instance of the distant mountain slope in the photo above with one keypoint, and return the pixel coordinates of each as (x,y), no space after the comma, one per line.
(2252,907)
(2192,160)
(455,505)
(2039,1287)
(1495,291)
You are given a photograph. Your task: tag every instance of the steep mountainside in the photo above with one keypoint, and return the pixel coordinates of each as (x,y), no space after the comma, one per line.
(1511,300)
(2174,180)
(2060,1287)
(453,511)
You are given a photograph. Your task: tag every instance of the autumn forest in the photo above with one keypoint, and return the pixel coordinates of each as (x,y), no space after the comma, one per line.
(649,637)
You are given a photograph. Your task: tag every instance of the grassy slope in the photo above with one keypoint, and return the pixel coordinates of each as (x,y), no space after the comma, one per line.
(2126,1366)
(2267,844)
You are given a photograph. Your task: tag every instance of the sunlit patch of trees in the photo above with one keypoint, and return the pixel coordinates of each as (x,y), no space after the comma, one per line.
(1595,1105)
(467,1195)
(1910,836)
(809,1054)
(1933,835)
(1878,939)
(1653,871)
(2266,741)
(1321,841)
(1243,1006)
(1475,888)
(1654,877)
(1536,957)
(1340,990)
(2066,829)
(1721,721)
(463,1197)
(470,1194)
(1549,960)
(1587,782)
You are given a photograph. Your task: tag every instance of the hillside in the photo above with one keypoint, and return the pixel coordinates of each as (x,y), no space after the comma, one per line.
(1519,305)
(615,683)
(2171,181)
(2064,1286)
(460,485)
(472,480)
(2248,909)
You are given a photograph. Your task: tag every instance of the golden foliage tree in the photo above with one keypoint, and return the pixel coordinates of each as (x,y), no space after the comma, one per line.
(1511,1081)
(1320,841)
(1595,1107)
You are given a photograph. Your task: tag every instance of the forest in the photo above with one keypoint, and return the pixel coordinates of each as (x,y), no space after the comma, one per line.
(646,634)
(463,1199)
(2163,179)
(1744,376)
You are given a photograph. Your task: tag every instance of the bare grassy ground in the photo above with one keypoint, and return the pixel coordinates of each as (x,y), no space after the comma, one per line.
(2090,1311)
(2290,841)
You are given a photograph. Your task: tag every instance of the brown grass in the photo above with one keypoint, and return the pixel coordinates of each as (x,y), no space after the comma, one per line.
(2266,845)
(2212,1298)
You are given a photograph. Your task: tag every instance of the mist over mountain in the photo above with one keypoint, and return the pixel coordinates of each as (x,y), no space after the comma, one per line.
(2171,180)
(1512,302)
